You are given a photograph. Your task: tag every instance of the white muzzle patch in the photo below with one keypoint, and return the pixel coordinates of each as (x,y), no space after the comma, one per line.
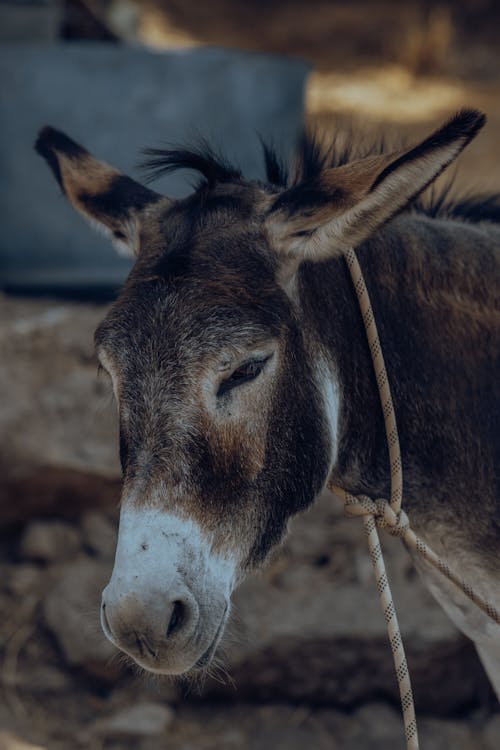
(168,598)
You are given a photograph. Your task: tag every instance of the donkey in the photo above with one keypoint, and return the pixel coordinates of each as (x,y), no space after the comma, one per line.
(244,383)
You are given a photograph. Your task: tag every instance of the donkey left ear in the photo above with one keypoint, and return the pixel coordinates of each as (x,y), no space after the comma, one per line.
(323,217)
(109,199)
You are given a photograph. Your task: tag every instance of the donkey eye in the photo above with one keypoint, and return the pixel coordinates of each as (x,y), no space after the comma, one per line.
(243,374)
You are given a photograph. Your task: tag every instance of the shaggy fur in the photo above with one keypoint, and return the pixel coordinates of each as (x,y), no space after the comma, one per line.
(243,376)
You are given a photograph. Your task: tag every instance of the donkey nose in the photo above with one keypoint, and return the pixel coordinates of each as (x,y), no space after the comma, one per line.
(145,627)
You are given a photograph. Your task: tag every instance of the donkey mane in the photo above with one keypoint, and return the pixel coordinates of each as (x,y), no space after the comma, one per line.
(312,157)
(201,157)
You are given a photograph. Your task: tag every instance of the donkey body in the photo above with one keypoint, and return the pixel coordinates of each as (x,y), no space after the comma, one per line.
(244,380)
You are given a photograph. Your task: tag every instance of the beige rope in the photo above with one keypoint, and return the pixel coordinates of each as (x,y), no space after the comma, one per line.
(390,516)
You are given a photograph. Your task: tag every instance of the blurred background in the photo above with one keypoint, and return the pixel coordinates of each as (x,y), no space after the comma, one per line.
(306,662)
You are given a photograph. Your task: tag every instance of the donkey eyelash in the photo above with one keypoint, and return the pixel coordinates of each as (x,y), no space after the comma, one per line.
(244,373)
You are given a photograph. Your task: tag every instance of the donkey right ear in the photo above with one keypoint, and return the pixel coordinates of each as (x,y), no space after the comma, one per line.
(110,200)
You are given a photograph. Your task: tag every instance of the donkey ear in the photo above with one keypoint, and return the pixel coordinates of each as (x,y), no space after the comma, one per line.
(320,219)
(110,200)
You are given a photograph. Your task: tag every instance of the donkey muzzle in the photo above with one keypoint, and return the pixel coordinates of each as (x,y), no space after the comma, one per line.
(167,601)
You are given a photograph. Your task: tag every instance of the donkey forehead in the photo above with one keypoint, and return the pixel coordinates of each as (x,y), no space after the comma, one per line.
(223,210)
(204,282)
(194,307)
(184,326)
(214,235)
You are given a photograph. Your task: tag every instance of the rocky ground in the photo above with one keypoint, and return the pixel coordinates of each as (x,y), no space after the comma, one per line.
(306,662)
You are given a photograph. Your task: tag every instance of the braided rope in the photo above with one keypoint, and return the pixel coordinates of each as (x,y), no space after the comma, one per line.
(390,516)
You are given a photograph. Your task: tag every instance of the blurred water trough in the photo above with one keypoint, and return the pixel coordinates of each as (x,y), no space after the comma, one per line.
(116,100)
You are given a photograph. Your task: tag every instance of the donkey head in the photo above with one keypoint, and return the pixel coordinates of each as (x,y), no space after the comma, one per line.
(227,405)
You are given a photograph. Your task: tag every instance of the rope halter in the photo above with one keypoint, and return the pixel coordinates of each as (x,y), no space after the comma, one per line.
(389,515)
(395,523)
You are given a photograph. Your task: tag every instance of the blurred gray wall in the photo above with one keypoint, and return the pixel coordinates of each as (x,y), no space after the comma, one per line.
(116,100)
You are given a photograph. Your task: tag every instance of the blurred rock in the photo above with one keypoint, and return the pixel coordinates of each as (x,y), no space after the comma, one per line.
(41,678)
(375,726)
(443,735)
(71,612)
(141,719)
(100,534)
(144,689)
(491,734)
(49,541)
(23,579)
(11,741)
(58,436)
(310,626)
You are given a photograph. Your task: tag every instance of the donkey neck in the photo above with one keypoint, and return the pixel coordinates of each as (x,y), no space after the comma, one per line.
(333,328)
(414,270)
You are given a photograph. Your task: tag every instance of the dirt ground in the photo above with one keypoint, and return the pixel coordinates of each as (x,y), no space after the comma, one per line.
(400,68)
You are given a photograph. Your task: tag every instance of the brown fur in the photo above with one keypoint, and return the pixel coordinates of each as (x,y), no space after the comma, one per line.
(220,280)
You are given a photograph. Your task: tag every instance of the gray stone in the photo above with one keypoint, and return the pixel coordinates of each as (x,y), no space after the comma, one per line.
(144,719)
(12,741)
(100,534)
(443,735)
(491,734)
(23,579)
(374,726)
(310,626)
(58,431)
(49,541)
(71,611)
(116,100)
(41,678)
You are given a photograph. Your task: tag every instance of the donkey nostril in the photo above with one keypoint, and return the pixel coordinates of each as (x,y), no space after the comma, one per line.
(176,618)
(105,621)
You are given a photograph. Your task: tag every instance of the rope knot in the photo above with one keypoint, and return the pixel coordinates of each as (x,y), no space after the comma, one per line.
(394,522)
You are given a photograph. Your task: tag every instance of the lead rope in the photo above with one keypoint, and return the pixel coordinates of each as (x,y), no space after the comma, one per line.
(390,516)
